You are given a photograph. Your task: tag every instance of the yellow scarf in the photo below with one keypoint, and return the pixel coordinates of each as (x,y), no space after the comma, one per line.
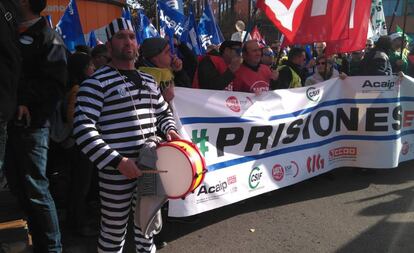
(163,77)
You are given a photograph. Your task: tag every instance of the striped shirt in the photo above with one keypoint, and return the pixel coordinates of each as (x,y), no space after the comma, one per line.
(106,126)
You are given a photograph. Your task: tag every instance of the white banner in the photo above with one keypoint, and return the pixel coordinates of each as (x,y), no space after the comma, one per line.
(256,144)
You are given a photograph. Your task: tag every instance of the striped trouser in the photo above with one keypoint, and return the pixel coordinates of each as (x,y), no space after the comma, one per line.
(117,194)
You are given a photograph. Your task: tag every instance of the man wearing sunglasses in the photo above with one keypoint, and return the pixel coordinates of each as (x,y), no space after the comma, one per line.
(324,71)
(293,73)
(218,72)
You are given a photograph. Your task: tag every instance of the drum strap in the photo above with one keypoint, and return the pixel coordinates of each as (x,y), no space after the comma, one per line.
(147,183)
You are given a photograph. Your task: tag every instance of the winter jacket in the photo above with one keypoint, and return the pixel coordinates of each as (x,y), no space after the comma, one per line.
(317,78)
(44,72)
(10,61)
(376,63)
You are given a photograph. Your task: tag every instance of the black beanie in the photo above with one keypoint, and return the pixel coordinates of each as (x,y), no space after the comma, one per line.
(152,47)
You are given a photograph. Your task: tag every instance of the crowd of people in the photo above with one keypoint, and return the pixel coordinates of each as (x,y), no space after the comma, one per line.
(97,108)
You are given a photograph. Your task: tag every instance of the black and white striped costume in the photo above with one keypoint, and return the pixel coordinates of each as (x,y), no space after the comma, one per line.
(106,129)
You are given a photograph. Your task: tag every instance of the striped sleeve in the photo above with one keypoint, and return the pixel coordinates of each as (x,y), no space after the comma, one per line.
(90,100)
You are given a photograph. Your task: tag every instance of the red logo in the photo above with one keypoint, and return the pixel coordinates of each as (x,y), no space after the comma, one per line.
(343,152)
(231,180)
(278,172)
(233,103)
(405,148)
(315,163)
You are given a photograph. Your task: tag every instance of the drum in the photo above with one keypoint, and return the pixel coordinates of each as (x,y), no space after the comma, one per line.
(185,167)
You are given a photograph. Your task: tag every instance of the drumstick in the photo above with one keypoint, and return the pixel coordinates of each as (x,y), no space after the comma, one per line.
(154,171)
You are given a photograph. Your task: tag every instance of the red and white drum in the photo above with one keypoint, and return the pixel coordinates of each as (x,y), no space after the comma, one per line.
(185,167)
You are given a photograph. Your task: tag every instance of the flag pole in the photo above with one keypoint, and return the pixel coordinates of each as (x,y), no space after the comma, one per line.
(393,15)
(251,24)
(157,24)
(403,33)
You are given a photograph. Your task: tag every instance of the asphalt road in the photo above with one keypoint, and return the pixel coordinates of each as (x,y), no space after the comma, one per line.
(347,211)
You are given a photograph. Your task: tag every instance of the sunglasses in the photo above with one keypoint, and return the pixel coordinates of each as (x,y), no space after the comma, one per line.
(268,53)
(369,45)
(320,63)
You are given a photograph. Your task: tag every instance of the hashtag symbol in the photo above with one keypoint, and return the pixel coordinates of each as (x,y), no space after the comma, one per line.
(200,141)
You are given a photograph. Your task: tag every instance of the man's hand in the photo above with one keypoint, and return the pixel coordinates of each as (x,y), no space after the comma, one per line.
(235,64)
(176,64)
(129,169)
(342,76)
(168,94)
(23,113)
(275,74)
(172,135)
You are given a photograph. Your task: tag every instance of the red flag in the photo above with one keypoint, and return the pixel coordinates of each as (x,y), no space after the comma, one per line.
(313,20)
(255,34)
(286,15)
(358,29)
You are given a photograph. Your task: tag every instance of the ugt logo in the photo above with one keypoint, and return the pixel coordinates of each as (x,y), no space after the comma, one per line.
(315,163)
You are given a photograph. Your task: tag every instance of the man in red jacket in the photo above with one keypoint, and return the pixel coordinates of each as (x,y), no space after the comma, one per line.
(218,72)
(253,76)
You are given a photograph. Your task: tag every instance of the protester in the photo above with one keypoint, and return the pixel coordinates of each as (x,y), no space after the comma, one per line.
(292,74)
(80,67)
(398,54)
(240,33)
(113,138)
(100,56)
(268,57)
(41,87)
(369,45)
(167,69)
(324,71)
(377,62)
(218,72)
(252,76)
(319,49)
(188,58)
(355,63)
(10,72)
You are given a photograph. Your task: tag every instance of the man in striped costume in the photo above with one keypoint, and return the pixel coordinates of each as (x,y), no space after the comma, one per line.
(117,109)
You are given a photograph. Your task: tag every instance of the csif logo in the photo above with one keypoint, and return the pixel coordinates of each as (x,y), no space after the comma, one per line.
(313,94)
(254,177)
(315,163)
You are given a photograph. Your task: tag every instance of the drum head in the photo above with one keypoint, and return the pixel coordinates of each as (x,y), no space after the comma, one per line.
(177,182)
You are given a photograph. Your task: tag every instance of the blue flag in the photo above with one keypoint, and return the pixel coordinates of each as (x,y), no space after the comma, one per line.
(126,14)
(144,28)
(175,4)
(92,40)
(208,30)
(171,18)
(190,35)
(70,28)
